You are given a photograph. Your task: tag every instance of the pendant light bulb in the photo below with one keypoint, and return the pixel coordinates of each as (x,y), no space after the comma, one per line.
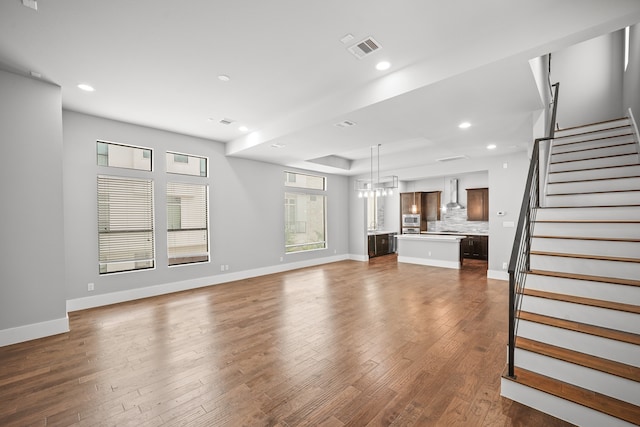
(390,192)
(360,194)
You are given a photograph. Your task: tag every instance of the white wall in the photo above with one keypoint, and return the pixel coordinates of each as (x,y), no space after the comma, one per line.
(632,74)
(32,275)
(246,214)
(590,76)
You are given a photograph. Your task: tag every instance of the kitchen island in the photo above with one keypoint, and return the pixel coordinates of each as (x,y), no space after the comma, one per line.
(437,250)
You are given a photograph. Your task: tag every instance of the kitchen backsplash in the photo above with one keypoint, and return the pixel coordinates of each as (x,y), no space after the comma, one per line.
(456,220)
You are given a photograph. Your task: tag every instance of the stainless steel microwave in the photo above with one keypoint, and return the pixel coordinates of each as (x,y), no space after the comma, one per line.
(411,220)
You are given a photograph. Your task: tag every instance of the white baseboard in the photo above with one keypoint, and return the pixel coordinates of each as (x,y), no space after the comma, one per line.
(355,257)
(184,285)
(34,331)
(430,262)
(498,275)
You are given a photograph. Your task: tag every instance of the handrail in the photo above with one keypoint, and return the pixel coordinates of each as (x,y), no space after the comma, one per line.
(520,254)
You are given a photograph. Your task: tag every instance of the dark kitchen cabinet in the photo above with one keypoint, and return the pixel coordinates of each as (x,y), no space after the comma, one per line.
(427,206)
(475,247)
(381,244)
(431,205)
(409,199)
(477,204)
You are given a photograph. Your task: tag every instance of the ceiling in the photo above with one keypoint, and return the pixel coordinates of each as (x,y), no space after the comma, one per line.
(156,63)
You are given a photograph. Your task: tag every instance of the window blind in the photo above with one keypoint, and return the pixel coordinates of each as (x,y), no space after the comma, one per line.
(125,224)
(187,223)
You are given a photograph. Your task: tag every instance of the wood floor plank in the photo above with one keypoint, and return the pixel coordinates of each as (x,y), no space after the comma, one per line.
(347,343)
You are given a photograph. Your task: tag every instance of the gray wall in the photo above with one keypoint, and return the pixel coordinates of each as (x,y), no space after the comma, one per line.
(590,76)
(246,208)
(632,74)
(32,274)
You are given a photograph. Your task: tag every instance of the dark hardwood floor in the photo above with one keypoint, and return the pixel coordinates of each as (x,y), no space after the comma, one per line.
(349,343)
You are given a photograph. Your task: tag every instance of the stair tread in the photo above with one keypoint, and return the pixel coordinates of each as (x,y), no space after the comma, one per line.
(584,256)
(591,399)
(602,138)
(629,308)
(600,239)
(594,192)
(598,168)
(622,144)
(584,328)
(596,123)
(587,360)
(594,179)
(593,158)
(600,279)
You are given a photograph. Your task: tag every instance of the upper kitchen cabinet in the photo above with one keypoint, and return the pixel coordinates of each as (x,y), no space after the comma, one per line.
(407,200)
(431,205)
(477,204)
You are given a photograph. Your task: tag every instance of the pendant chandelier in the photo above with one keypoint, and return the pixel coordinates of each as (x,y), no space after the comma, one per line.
(375,185)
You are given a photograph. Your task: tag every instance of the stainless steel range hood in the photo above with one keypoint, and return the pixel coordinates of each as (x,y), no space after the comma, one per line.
(453,203)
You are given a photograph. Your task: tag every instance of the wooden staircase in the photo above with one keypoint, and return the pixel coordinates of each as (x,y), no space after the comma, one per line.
(577,352)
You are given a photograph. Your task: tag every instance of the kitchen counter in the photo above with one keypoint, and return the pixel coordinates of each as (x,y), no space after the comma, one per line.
(439,250)
(455,233)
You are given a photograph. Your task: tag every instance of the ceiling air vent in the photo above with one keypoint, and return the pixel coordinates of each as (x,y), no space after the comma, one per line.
(449,159)
(346,124)
(364,48)
(226,121)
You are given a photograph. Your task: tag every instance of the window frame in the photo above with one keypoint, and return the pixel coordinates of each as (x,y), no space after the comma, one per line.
(145,150)
(151,231)
(287,206)
(207,227)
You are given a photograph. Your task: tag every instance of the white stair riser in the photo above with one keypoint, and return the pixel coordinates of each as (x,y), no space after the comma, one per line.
(557,407)
(618,184)
(588,229)
(600,382)
(621,198)
(592,154)
(612,319)
(584,288)
(593,143)
(585,343)
(595,174)
(613,126)
(560,137)
(591,267)
(627,159)
(587,247)
(611,213)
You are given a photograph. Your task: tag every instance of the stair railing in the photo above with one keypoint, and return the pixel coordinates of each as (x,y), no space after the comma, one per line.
(519,263)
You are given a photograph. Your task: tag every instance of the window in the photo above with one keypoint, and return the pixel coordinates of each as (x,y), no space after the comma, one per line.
(125,224)
(305,213)
(186,165)
(187,223)
(299,180)
(123,156)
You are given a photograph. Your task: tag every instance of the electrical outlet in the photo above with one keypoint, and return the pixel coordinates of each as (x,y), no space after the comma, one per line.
(221,267)
(90,286)
(504,266)
(429,253)
(281,259)
(226,267)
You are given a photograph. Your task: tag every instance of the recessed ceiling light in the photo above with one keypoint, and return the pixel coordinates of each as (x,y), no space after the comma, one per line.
(224,78)
(276,145)
(243,129)
(86,87)
(383,65)
(464,125)
(491,147)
